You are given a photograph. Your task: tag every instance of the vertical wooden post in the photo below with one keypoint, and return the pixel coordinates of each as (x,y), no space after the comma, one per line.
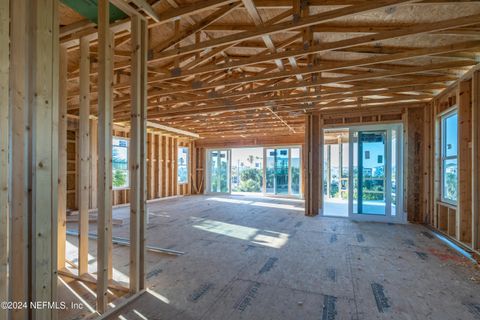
(84,147)
(476,159)
(135,153)
(20,166)
(104,169)
(43,84)
(427,168)
(167,166)
(4,148)
(313,164)
(93,163)
(151,166)
(159,166)
(143,161)
(175,190)
(464,205)
(62,159)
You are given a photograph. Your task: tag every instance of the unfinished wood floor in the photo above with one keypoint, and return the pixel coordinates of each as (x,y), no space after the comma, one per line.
(261,258)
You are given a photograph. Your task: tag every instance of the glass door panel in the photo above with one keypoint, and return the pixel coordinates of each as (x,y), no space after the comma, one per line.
(218,171)
(336,173)
(270,171)
(371,172)
(281,171)
(295,171)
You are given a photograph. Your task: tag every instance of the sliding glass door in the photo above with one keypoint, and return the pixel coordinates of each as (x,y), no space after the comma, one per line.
(374,170)
(218,171)
(282,171)
(362,176)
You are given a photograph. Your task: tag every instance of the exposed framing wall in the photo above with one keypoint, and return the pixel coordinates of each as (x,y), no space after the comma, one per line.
(161,155)
(458,221)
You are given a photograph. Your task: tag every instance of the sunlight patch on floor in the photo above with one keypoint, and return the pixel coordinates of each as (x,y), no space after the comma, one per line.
(266,238)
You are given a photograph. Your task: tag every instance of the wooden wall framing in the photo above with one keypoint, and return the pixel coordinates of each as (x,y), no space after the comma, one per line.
(161,147)
(458,221)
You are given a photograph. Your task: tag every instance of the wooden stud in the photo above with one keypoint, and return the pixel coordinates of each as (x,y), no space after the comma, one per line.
(313,165)
(44,138)
(4,154)
(62,160)
(135,154)
(151,166)
(476,159)
(166,166)
(143,162)
(464,201)
(93,162)
(104,175)
(175,167)
(84,155)
(159,166)
(20,164)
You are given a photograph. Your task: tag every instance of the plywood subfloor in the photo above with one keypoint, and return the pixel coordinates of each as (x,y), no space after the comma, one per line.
(261,258)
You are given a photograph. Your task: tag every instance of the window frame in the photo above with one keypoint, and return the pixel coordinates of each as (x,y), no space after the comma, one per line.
(127,187)
(186,165)
(443,157)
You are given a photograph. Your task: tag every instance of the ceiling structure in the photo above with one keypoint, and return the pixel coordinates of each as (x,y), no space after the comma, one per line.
(226,68)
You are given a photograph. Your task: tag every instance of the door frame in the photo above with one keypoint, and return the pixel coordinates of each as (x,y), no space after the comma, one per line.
(264,185)
(208,169)
(400,215)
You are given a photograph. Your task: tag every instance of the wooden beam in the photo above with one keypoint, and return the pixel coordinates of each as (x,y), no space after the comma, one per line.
(464,204)
(20,165)
(93,162)
(75,27)
(168,129)
(281,27)
(4,154)
(44,77)
(313,164)
(145,7)
(324,80)
(134,154)
(335,45)
(143,160)
(189,10)
(476,159)
(62,159)
(328,66)
(211,18)
(104,155)
(267,39)
(84,152)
